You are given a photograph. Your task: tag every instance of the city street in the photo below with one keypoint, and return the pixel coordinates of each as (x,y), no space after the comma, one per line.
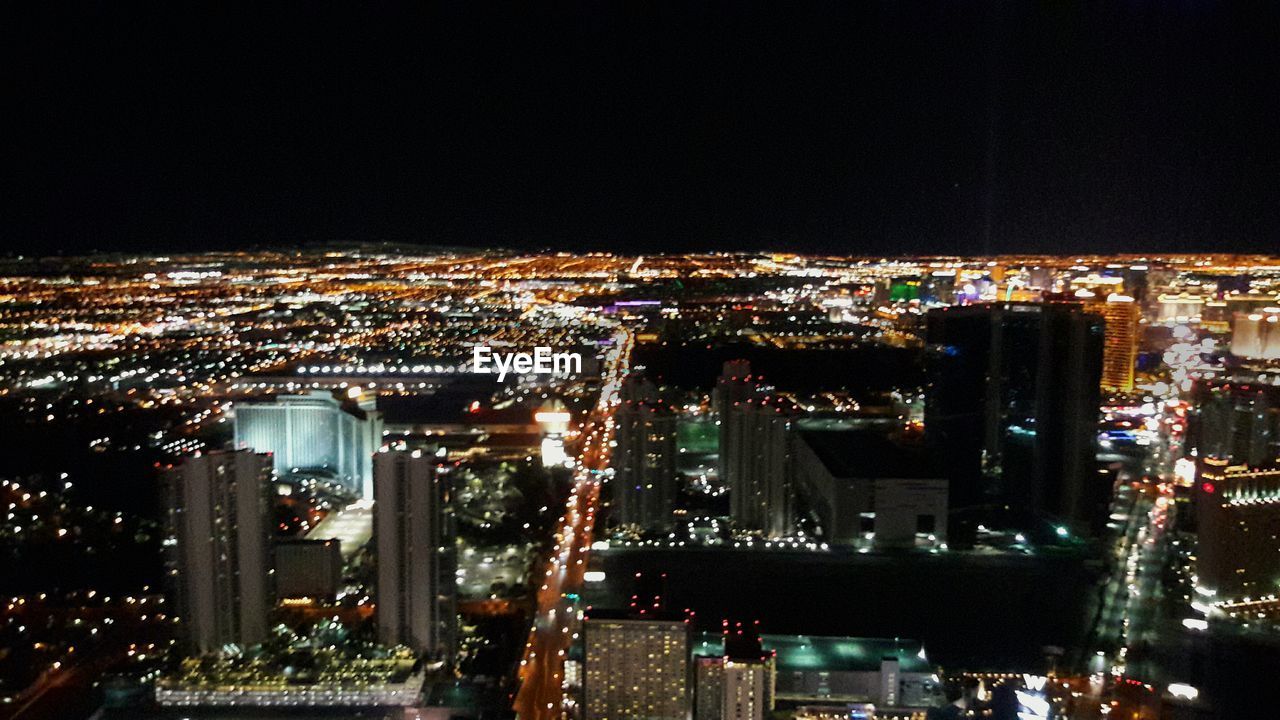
(554,623)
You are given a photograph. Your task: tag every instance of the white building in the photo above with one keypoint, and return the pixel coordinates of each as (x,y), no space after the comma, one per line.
(217,549)
(314,433)
(417,556)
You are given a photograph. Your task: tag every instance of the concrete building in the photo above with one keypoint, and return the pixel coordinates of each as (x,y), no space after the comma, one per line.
(869,490)
(417,556)
(1012,404)
(636,667)
(308,569)
(644,462)
(1238,518)
(314,433)
(217,550)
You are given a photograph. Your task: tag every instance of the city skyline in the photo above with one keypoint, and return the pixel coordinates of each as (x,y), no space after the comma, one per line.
(873,360)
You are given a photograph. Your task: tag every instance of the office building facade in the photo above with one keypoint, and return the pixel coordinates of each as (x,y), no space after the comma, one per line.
(218,547)
(1237,422)
(868,490)
(310,569)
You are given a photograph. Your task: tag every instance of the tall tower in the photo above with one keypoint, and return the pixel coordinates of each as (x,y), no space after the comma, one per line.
(756,441)
(754,451)
(217,551)
(1013,402)
(644,481)
(417,556)
(1120,340)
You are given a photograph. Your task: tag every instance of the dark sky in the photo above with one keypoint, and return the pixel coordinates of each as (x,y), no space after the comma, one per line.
(845,127)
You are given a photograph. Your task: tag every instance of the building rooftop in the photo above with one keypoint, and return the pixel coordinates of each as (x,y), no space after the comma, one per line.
(828,654)
(867,453)
(352,525)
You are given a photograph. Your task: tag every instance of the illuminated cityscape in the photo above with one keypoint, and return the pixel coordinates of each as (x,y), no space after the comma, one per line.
(875,360)
(815,443)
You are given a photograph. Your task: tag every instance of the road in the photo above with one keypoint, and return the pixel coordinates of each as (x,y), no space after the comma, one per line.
(541,695)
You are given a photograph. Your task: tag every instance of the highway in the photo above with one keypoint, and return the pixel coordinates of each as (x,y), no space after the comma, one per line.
(541,695)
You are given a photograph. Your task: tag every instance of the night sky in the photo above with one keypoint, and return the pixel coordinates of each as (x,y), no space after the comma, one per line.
(846,127)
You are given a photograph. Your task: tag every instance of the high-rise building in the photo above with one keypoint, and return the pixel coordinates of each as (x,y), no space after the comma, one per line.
(1013,403)
(417,558)
(218,548)
(1120,339)
(738,684)
(1238,518)
(636,667)
(755,452)
(314,433)
(1256,335)
(644,462)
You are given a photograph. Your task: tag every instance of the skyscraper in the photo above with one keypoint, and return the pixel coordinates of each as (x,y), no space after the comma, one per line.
(1012,403)
(644,481)
(417,558)
(312,433)
(1120,340)
(636,667)
(217,549)
(755,437)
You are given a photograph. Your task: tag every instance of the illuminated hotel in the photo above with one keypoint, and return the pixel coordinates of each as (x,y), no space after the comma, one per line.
(1239,519)
(314,433)
(1120,340)
(636,668)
